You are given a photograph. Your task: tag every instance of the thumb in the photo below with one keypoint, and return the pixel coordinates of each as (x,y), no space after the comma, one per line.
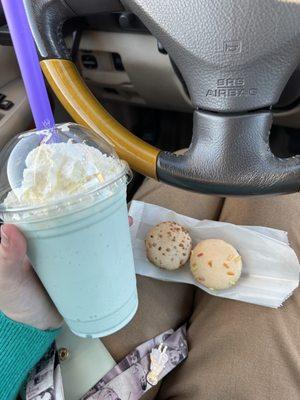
(12,249)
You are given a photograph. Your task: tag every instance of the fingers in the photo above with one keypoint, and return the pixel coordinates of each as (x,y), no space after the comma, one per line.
(12,248)
(130,220)
(22,296)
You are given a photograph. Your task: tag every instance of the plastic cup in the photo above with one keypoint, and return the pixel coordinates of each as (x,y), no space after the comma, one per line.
(80,248)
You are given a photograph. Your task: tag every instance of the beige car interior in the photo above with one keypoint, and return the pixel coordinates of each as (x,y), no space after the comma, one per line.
(121,69)
(18,118)
(148,77)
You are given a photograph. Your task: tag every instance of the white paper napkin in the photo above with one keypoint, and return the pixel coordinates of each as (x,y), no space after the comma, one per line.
(270,266)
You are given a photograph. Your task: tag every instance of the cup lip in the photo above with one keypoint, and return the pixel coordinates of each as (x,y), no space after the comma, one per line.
(68,199)
(61,125)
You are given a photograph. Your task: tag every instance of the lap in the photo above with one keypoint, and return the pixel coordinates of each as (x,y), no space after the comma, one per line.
(193,205)
(281,212)
(239,350)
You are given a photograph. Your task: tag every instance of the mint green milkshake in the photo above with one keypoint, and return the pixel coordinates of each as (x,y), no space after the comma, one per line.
(78,240)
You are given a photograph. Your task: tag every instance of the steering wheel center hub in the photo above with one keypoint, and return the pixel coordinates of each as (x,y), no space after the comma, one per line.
(233,55)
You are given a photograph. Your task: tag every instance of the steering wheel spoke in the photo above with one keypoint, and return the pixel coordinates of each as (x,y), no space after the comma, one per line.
(227,146)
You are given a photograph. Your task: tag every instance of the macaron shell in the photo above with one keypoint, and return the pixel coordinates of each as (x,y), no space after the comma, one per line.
(216,264)
(168,245)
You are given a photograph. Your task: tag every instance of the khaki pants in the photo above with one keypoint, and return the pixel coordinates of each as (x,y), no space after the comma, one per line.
(238,351)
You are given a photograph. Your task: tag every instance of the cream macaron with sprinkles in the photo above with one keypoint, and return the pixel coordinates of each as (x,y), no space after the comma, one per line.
(168,245)
(216,264)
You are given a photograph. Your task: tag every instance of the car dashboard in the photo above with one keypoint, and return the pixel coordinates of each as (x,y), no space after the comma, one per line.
(121,61)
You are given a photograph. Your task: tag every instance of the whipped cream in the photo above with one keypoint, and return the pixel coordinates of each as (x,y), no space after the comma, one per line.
(56,171)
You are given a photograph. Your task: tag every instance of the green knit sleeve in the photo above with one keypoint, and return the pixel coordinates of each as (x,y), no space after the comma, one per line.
(21,347)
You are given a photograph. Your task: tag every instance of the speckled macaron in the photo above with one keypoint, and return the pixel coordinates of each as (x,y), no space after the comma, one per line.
(168,245)
(216,264)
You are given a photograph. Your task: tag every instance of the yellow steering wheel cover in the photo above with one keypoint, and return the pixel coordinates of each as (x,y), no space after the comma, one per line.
(71,90)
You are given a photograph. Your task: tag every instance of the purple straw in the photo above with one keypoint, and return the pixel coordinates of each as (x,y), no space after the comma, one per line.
(29,65)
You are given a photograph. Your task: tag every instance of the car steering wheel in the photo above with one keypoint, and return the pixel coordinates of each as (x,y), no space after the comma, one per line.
(235,57)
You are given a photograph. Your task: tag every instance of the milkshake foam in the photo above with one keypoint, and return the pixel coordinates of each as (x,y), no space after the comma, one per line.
(59,170)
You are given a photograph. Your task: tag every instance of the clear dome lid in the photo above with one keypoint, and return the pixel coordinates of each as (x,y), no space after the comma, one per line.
(38,168)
